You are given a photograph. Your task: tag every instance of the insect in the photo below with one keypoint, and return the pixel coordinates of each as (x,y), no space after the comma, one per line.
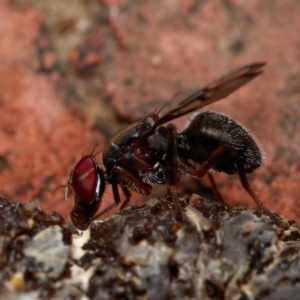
(147,152)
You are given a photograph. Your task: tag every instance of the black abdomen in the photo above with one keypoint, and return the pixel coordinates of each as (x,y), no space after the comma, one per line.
(208,130)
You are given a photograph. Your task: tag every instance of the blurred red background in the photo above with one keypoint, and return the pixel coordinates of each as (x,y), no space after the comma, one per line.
(73,73)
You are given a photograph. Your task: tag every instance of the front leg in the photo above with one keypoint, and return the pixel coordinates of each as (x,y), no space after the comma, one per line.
(127,195)
(126,180)
(112,206)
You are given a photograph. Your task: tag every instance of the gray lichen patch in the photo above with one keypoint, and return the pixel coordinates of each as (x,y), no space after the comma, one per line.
(47,248)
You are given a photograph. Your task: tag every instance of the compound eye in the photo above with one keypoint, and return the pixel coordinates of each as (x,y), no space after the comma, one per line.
(87,180)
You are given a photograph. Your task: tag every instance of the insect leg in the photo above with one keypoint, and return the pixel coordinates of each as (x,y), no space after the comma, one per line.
(131,181)
(104,211)
(215,188)
(116,199)
(246,186)
(171,172)
(116,194)
(127,195)
(128,178)
(200,171)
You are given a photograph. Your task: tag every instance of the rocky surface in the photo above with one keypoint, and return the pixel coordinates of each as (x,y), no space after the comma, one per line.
(72,75)
(142,252)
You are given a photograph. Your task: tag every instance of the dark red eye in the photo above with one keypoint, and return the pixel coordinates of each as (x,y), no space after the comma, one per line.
(87,180)
(88,183)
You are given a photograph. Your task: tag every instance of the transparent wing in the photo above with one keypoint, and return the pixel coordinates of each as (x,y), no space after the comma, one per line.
(213,92)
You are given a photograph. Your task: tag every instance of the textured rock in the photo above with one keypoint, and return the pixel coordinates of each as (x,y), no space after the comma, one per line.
(71,75)
(142,252)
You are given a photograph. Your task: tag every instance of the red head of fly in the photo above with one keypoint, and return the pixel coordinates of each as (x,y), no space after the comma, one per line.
(88,184)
